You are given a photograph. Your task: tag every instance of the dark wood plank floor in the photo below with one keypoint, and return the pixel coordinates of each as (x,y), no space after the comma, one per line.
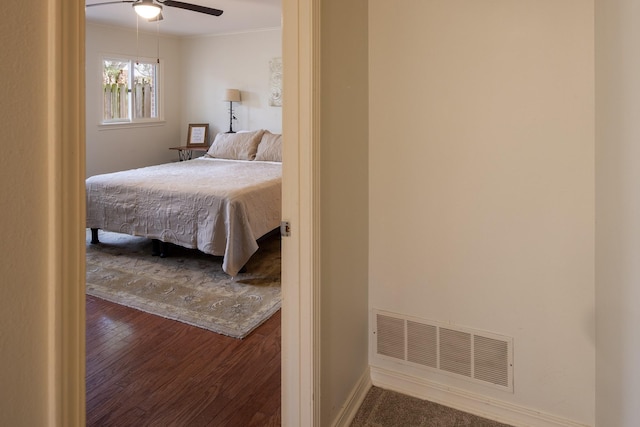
(144,370)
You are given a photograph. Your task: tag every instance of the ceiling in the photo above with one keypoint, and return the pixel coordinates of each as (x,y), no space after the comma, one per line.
(238,16)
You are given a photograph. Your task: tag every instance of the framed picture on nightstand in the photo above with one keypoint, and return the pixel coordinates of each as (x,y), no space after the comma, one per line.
(198,135)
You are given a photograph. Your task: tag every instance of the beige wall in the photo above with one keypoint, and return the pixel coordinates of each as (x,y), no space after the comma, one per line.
(215,63)
(482,183)
(343,202)
(23,195)
(618,212)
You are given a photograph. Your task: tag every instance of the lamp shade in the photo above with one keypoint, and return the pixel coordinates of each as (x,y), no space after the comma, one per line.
(232,95)
(147,9)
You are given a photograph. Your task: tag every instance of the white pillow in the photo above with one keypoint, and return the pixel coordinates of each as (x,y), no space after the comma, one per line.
(235,146)
(270,147)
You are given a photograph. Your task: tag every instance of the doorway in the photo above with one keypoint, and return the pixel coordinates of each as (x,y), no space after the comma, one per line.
(68,356)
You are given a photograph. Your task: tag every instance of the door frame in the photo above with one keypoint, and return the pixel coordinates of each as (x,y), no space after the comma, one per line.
(300,256)
(66,213)
(65,99)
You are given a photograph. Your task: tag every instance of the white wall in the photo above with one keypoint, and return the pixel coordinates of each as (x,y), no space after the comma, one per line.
(111,149)
(343,203)
(196,73)
(213,64)
(23,195)
(482,184)
(618,212)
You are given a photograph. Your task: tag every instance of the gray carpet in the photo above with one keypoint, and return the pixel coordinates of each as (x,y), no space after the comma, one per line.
(385,408)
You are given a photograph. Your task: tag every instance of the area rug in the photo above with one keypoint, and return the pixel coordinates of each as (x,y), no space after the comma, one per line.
(188,286)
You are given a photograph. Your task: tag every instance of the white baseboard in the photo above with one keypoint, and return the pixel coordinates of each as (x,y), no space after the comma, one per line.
(356,397)
(472,403)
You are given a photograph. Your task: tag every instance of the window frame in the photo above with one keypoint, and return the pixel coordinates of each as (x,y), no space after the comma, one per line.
(131,121)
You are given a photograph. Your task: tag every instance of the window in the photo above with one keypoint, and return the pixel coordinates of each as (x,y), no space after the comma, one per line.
(130,90)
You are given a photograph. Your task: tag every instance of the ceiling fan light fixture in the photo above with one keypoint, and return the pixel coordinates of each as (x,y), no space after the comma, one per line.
(147,9)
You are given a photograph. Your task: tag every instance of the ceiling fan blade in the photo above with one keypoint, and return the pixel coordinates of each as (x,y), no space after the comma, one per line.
(110,2)
(192,7)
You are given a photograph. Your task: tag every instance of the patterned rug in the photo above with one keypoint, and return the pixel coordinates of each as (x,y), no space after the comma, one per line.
(188,286)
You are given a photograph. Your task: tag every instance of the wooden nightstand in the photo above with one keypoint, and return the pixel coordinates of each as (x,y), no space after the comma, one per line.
(185,152)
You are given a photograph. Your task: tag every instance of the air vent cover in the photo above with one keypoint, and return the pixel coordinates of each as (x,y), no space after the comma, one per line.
(491,360)
(422,344)
(479,356)
(391,336)
(455,351)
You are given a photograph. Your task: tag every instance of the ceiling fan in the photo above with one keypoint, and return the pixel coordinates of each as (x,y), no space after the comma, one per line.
(152,9)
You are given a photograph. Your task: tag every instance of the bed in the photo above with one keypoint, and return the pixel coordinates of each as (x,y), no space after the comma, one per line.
(220,204)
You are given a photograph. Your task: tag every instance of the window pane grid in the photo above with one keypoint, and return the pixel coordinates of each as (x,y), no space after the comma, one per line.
(130,91)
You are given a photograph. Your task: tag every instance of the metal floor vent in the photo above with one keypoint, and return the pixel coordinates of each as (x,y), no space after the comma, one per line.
(479,356)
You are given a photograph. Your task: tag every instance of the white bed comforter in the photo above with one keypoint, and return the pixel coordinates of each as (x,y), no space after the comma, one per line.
(220,207)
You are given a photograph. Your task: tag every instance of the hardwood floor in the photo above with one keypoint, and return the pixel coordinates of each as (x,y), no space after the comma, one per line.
(144,370)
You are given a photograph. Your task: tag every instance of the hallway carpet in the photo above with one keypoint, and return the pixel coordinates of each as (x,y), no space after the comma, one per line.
(385,408)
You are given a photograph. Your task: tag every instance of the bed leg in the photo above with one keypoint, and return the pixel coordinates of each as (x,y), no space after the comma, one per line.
(159,248)
(94,236)
(164,249)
